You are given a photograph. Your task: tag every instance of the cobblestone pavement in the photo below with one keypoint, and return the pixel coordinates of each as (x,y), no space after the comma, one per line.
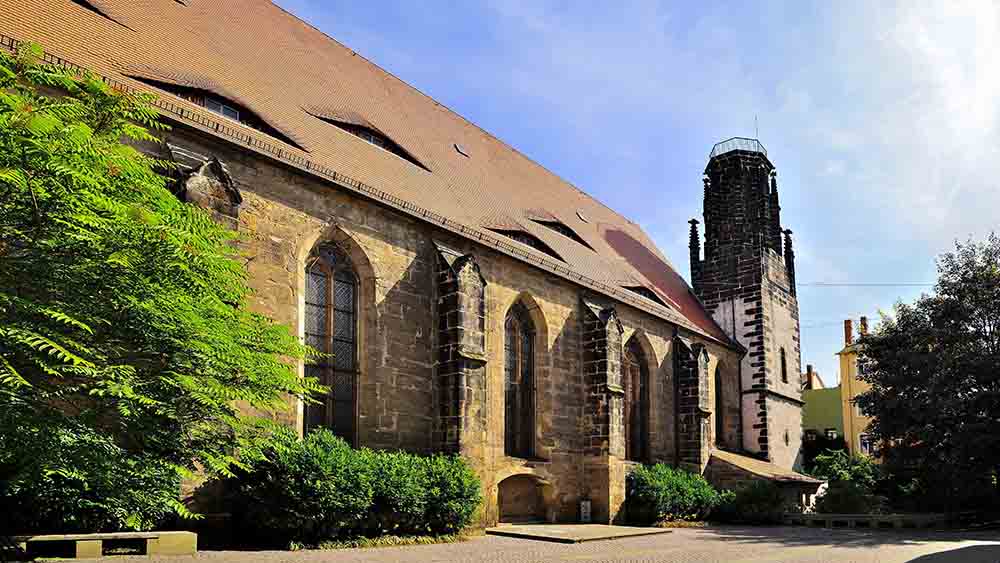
(722,544)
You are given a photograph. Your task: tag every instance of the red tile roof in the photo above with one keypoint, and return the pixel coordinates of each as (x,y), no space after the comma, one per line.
(287,72)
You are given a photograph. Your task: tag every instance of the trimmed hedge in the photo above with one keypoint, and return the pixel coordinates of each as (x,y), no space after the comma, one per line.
(657,493)
(319,489)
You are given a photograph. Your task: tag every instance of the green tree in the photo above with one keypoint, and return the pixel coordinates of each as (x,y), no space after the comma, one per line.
(820,445)
(838,465)
(126,344)
(934,370)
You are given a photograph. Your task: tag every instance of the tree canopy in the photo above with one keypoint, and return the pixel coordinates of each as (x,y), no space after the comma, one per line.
(126,342)
(934,370)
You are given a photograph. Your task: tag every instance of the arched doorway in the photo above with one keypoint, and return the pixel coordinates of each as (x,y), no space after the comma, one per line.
(522,499)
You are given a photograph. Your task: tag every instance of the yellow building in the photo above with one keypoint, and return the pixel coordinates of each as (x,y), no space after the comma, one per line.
(855,423)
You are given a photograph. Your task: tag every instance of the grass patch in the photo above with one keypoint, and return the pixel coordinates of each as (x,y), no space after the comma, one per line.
(385,541)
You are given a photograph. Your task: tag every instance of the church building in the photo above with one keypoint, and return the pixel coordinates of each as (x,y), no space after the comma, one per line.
(471,301)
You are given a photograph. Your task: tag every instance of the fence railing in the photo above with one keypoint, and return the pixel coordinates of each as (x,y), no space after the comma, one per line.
(737,144)
(295,157)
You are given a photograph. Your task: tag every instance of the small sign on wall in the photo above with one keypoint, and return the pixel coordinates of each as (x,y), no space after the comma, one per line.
(585,511)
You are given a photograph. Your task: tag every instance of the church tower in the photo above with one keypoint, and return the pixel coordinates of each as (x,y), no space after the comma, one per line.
(746,281)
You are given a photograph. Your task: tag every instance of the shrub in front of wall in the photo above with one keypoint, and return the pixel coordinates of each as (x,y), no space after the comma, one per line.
(453,494)
(758,502)
(319,489)
(839,465)
(306,491)
(658,493)
(400,498)
(848,497)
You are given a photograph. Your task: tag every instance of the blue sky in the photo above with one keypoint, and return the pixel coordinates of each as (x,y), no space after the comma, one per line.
(881,118)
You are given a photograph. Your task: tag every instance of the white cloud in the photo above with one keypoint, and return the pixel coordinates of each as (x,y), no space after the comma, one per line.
(882,117)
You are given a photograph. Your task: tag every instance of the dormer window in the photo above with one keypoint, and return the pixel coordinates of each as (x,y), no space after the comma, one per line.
(529,239)
(645,292)
(563,230)
(222,108)
(219,105)
(85,4)
(373,137)
(354,125)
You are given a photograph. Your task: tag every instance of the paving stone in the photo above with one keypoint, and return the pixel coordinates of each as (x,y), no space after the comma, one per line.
(777,544)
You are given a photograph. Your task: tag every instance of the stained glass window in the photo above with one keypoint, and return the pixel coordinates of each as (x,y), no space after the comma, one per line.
(331,327)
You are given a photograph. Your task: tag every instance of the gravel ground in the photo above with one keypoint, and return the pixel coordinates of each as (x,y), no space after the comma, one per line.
(720,544)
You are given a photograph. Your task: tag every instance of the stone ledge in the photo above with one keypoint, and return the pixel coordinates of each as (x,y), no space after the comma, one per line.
(92,545)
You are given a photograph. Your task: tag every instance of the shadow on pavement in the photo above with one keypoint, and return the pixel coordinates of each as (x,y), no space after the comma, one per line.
(842,537)
(970,554)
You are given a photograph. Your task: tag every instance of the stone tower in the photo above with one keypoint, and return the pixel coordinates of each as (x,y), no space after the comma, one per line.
(747,282)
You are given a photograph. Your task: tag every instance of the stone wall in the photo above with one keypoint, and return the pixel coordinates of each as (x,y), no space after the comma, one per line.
(431,335)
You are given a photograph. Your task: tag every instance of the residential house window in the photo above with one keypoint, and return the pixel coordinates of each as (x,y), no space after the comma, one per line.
(810,436)
(635,382)
(831,433)
(519,382)
(331,327)
(865,444)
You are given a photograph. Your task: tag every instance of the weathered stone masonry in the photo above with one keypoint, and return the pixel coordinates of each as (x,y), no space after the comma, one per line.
(430,360)
(461,374)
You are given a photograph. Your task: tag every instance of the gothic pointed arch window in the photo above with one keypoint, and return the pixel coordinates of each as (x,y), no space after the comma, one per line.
(519,382)
(331,320)
(635,382)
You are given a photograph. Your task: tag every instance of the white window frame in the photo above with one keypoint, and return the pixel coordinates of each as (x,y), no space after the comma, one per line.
(216,105)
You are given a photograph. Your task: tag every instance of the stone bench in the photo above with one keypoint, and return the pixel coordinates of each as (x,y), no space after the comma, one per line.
(96,545)
(866,520)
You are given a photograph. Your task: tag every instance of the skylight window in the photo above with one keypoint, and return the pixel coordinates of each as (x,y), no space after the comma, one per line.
(563,230)
(645,292)
(529,239)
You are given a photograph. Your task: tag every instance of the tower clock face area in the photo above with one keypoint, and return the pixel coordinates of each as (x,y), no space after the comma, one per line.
(744,273)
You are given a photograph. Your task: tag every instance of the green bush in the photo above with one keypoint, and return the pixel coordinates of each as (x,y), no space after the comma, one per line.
(453,495)
(656,493)
(847,497)
(75,480)
(759,502)
(320,489)
(838,465)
